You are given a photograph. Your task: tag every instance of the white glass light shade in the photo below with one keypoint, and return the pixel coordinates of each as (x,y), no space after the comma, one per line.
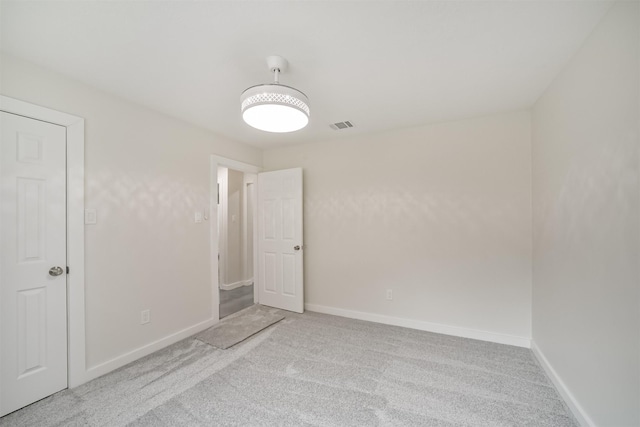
(275,108)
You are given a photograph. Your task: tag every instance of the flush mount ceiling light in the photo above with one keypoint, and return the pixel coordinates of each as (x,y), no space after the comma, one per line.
(275,107)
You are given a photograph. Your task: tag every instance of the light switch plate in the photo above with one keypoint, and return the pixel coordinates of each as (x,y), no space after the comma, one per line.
(198,217)
(90,216)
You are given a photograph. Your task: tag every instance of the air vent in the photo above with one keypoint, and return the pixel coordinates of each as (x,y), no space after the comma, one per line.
(341,125)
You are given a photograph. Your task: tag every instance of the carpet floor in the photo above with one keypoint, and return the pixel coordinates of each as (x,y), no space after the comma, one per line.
(316,370)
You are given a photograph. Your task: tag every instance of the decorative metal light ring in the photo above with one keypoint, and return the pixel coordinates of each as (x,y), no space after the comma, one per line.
(275,98)
(275,94)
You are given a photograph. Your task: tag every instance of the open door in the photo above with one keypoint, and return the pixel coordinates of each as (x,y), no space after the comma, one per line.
(280,246)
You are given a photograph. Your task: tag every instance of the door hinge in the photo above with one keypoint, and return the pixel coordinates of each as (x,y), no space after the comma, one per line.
(67,269)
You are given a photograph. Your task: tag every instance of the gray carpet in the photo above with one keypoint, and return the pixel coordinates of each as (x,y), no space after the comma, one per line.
(241,326)
(235,300)
(316,370)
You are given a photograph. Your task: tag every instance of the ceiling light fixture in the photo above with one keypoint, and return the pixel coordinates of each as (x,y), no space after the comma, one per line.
(275,107)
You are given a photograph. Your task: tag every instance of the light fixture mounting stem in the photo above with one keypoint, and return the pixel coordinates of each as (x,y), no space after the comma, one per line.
(276,72)
(275,62)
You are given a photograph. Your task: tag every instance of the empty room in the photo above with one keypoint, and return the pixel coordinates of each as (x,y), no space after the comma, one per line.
(320,213)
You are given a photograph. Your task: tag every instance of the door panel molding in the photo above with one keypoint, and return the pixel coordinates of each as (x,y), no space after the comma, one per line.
(77,373)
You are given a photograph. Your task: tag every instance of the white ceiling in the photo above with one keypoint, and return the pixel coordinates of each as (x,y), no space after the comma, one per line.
(382,65)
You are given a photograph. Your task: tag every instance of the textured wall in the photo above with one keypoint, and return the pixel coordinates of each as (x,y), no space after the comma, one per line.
(586,313)
(235,247)
(440,214)
(146,175)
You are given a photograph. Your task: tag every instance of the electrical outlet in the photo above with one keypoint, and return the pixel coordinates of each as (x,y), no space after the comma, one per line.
(90,216)
(389,294)
(145,316)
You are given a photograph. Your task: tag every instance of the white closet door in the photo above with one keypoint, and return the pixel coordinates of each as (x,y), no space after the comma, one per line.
(33,286)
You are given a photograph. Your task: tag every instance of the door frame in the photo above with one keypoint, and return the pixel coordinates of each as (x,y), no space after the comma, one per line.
(76,360)
(213,227)
(222,208)
(249,178)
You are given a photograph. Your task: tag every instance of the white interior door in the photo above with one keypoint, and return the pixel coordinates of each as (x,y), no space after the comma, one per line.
(280,276)
(33,288)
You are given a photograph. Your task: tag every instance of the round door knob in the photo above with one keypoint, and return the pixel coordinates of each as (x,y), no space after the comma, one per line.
(296,247)
(55,271)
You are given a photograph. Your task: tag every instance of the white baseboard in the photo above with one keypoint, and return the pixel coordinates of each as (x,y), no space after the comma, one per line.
(117,362)
(573,404)
(235,285)
(424,326)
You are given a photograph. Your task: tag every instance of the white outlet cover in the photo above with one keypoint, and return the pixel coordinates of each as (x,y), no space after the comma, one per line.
(198,217)
(90,216)
(145,317)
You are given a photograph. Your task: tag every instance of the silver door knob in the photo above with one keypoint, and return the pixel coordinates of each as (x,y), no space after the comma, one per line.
(55,271)
(296,248)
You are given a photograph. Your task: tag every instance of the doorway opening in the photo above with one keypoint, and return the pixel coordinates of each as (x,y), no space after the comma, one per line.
(272,257)
(235,239)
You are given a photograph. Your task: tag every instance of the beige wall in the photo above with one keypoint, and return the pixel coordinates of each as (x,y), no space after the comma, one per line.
(586,314)
(146,175)
(440,214)
(235,247)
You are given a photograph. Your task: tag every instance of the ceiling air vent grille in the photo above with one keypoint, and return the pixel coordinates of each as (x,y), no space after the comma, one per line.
(341,125)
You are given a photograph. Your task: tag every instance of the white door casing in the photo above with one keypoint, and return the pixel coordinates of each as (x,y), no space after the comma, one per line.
(33,335)
(248,229)
(280,253)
